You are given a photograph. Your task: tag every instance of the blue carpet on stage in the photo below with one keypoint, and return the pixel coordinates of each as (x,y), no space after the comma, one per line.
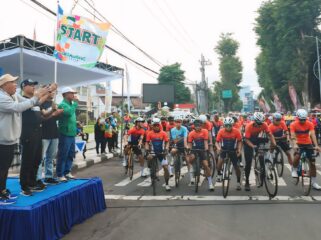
(52,213)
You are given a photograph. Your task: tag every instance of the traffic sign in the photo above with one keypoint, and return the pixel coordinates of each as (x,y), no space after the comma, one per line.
(226,94)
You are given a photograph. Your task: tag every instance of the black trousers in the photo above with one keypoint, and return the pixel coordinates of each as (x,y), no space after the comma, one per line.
(6,158)
(30,159)
(110,143)
(115,139)
(99,143)
(248,155)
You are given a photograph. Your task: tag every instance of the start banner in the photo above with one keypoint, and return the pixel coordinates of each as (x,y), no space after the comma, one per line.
(80,41)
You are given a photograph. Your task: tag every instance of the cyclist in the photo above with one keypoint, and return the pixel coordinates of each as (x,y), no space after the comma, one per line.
(229,138)
(164,123)
(158,139)
(134,138)
(281,134)
(302,131)
(171,124)
(208,126)
(198,139)
(253,130)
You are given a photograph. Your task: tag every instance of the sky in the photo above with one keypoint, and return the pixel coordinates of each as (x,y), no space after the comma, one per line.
(168,30)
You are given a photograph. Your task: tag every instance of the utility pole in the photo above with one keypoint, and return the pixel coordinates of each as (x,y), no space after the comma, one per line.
(202,88)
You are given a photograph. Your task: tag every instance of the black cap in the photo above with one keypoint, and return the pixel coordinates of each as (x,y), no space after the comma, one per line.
(28,82)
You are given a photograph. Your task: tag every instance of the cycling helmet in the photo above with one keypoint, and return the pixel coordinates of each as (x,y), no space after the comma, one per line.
(203,118)
(156,121)
(228,121)
(302,114)
(277,116)
(197,122)
(178,118)
(258,117)
(139,119)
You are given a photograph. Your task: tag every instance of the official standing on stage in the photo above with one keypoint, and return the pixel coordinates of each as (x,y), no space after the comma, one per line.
(67,131)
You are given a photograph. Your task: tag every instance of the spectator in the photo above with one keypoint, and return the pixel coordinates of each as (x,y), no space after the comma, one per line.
(50,136)
(109,134)
(11,107)
(99,135)
(67,132)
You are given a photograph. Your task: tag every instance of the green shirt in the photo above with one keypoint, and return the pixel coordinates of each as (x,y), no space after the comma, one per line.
(67,122)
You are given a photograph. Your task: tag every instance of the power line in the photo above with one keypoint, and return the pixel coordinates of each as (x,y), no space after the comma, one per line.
(108,47)
(117,31)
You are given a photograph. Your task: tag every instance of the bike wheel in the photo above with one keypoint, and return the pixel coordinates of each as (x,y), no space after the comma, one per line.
(306,178)
(211,163)
(177,166)
(279,162)
(153,169)
(226,176)
(197,173)
(258,171)
(130,166)
(270,179)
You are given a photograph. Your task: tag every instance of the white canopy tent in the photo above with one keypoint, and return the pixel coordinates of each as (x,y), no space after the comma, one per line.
(26,58)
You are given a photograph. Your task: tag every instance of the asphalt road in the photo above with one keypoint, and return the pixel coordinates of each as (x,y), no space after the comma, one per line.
(133,213)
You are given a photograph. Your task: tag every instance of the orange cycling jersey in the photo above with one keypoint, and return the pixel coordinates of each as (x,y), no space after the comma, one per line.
(135,134)
(198,138)
(302,131)
(157,140)
(169,127)
(278,130)
(207,125)
(237,125)
(252,131)
(228,139)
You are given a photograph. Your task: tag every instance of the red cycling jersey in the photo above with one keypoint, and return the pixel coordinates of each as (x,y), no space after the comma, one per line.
(253,131)
(278,130)
(170,126)
(135,134)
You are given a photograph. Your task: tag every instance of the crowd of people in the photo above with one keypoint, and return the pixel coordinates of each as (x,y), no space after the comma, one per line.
(240,134)
(30,120)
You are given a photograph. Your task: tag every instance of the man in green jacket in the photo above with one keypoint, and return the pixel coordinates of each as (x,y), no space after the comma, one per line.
(67,131)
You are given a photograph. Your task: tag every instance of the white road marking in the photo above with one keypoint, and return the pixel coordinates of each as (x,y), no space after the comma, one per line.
(127,180)
(211,198)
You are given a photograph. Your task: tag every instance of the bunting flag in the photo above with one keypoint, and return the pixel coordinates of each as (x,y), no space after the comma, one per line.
(293,96)
(277,103)
(80,41)
(80,145)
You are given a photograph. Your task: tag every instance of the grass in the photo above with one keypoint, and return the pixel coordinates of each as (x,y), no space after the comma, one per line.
(89,129)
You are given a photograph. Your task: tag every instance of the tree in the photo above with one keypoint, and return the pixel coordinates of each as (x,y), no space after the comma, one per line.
(287,55)
(173,75)
(230,70)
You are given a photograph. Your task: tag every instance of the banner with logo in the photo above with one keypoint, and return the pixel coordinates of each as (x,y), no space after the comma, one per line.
(80,41)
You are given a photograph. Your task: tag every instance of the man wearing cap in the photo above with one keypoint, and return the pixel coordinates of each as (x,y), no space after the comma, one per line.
(67,131)
(11,107)
(31,141)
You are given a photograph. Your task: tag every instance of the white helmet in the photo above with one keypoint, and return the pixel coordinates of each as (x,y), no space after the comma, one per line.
(203,118)
(228,121)
(277,116)
(139,119)
(178,118)
(156,121)
(302,114)
(258,117)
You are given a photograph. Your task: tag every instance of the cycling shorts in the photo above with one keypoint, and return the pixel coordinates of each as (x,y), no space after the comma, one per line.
(233,157)
(283,145)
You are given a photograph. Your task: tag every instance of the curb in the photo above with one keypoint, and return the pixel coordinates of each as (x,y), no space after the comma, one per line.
(91,161)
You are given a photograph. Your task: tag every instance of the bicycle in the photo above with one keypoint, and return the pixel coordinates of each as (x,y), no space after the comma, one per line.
(153,165)
(211,162)
(304,173)
(227,171)
(129,169)
(178,164)
(278,161)
(265,172)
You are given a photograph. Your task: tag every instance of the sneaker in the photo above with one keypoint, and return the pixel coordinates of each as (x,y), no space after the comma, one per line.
(219,178)
(69,176)
(168,188)
(6,201)
(241,164)
(62,179)
(238,187)
(26,192)
(41,184)
(37,188)
(316,186)
(247,187)
(143,175)
(211,187)
(294,173)
(51,181)
(9,195)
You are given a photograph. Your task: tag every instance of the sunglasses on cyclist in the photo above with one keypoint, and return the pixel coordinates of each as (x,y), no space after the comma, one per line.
(156,125)
(228,125)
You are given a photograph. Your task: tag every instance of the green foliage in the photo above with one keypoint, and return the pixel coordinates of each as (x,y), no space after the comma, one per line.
(230,71)
(287,56)
(173,75)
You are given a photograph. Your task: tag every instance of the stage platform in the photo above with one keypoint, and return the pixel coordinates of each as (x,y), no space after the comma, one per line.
(52,213)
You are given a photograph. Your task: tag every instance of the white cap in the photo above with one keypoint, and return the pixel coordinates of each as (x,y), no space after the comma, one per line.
(67,90)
